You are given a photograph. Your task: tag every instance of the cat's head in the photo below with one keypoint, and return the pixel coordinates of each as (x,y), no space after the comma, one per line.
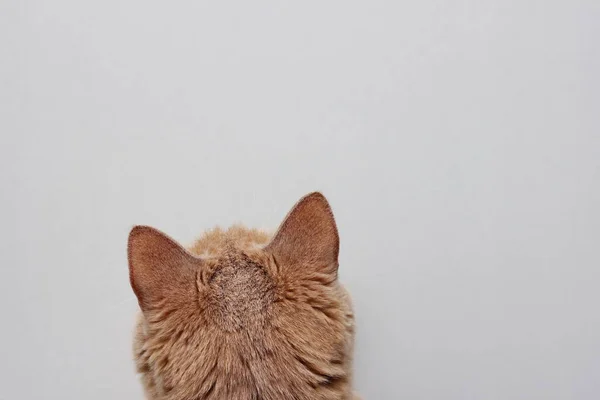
(267,323)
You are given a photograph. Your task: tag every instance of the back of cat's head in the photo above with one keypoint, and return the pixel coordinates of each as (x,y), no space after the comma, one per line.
(242,315)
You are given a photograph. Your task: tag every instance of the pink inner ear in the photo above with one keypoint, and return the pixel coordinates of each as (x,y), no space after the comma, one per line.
(159,268)
(308,236)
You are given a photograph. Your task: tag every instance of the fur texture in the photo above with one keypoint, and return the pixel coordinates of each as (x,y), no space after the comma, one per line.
(243,316)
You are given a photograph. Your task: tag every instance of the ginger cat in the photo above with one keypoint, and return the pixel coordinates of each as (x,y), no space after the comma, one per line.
(241,316)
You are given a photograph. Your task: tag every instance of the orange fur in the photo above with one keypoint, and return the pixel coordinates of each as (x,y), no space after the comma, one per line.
(243,316)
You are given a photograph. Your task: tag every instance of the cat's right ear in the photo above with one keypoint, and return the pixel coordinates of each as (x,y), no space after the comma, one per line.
(159,268)
(307,241)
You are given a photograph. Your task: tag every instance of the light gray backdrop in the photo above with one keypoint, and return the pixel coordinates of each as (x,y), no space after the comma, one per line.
(458,142)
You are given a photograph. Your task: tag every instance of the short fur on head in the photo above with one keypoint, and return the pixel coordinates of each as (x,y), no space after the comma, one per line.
(241,316)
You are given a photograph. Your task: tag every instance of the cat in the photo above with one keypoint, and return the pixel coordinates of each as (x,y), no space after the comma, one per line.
(242,315)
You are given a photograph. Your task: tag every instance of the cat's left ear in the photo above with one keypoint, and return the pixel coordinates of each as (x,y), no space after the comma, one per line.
(160,270)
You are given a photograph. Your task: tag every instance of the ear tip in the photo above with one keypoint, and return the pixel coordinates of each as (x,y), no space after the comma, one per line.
(140,230)
(138,235)
(316,197)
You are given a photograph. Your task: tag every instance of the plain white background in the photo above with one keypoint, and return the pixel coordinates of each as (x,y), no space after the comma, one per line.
(458,142)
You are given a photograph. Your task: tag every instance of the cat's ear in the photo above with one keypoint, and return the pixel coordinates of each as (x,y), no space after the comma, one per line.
(307,241)
(159,268)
